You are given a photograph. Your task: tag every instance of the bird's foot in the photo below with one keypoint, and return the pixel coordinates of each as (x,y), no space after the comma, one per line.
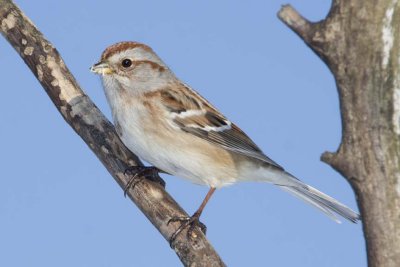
(191,222)
(138,173)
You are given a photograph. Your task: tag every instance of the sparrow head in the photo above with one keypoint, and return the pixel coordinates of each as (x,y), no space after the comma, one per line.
(133,66)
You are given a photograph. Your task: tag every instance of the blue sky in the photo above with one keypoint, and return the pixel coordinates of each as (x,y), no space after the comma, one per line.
(60,207)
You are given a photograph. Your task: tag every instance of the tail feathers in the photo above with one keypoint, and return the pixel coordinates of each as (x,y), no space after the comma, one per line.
(323,202)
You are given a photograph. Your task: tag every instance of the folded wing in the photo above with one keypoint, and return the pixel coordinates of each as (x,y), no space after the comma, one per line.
(194,115)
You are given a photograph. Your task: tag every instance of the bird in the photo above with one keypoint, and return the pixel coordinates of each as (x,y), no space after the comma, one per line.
(171,126)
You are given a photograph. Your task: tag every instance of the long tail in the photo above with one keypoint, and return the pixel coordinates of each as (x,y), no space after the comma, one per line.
(291,184)
(323,202)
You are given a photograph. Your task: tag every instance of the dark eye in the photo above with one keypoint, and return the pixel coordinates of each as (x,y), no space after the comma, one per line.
(126,63)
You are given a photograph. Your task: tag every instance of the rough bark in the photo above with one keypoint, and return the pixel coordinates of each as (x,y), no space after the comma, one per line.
(360,42)
(99,134)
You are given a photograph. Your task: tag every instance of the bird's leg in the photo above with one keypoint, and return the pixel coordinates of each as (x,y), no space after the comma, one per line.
(192,221)
(137,173)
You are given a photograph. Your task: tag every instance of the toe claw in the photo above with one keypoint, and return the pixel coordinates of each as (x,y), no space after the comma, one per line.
(203,227)
(178,219)
(138,173)
(190,222)
(131,183)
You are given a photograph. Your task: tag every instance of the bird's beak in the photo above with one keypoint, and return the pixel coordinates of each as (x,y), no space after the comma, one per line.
(101,68)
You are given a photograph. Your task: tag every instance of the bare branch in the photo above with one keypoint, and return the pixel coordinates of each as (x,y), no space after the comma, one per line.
(310,32)
(328,157)
(295,21)
(99,134)
(360,43)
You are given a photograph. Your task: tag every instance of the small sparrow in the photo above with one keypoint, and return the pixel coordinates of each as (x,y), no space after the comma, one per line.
(168,124)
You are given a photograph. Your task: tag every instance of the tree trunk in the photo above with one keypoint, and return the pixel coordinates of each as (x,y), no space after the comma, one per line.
(360,42)
(99,134)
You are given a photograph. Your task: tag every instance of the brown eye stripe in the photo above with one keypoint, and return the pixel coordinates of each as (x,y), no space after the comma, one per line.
(122,46)
(151,63)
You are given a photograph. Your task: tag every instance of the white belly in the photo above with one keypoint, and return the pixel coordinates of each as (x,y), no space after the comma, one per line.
(175,154)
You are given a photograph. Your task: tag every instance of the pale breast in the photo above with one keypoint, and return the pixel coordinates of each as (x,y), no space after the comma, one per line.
(172,150)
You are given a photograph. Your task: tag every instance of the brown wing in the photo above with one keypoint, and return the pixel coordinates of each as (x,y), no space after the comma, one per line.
(194,115)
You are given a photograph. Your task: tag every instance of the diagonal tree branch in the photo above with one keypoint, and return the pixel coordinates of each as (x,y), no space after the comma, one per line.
(99,134)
